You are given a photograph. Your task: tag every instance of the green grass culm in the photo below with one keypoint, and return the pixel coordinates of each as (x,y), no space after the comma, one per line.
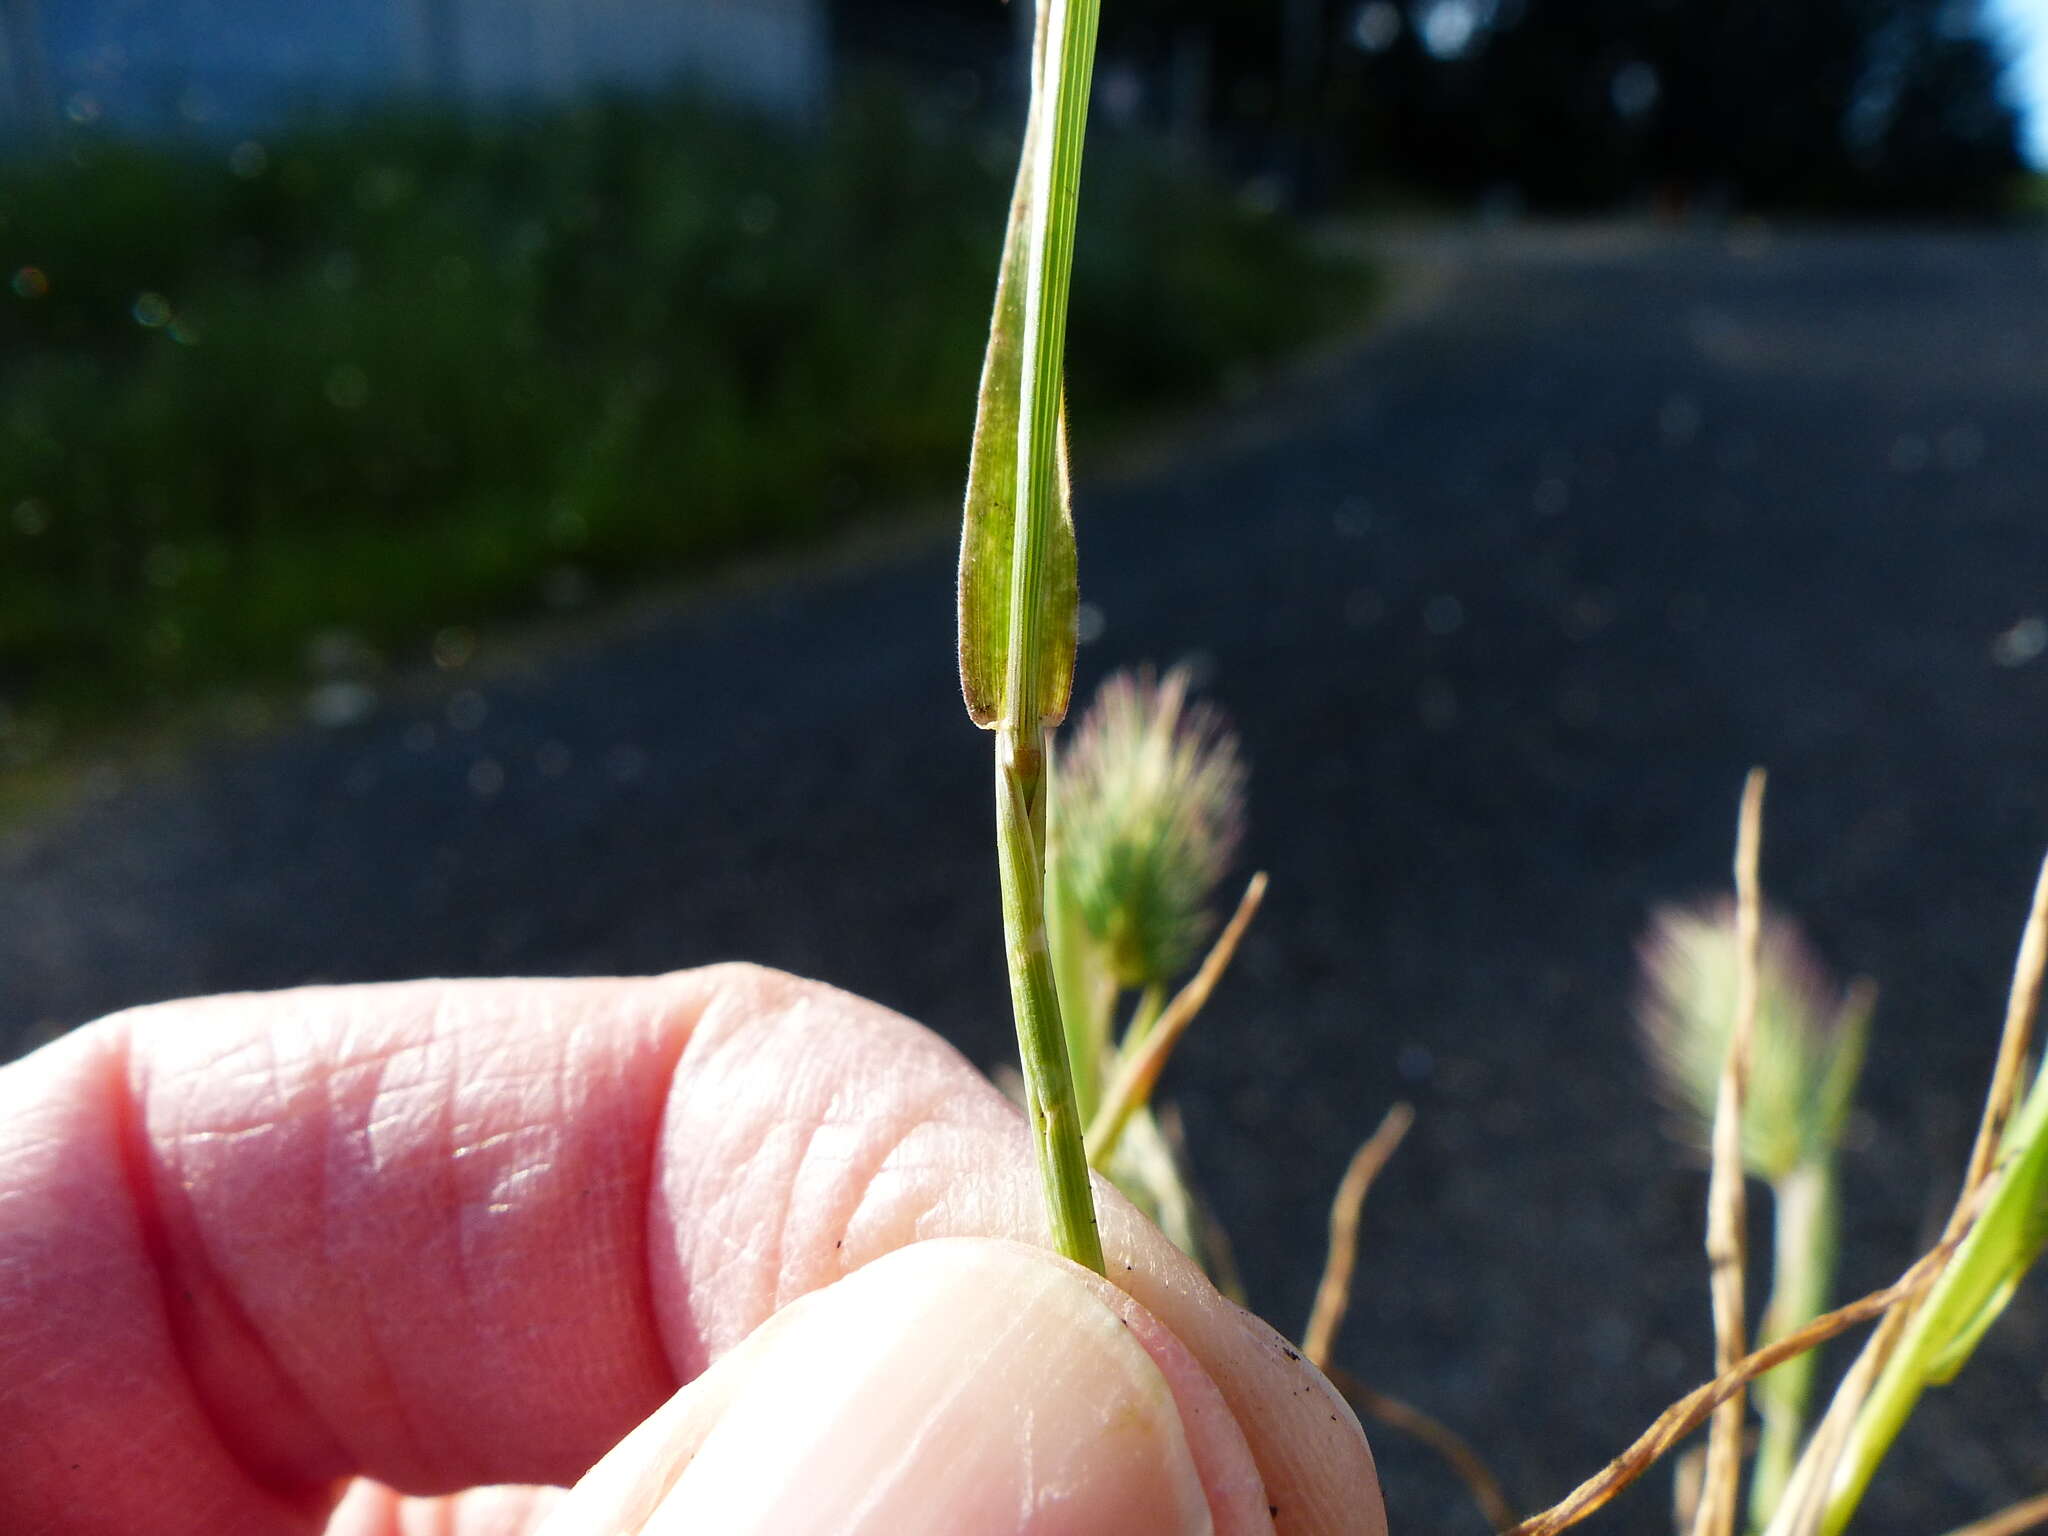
(397,375)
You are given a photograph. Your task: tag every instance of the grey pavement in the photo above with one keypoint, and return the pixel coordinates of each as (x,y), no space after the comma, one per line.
(1503,600)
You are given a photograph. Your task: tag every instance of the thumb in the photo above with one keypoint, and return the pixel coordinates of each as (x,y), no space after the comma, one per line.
(963,1385)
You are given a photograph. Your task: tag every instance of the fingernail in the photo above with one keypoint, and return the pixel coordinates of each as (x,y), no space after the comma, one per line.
(952,1386)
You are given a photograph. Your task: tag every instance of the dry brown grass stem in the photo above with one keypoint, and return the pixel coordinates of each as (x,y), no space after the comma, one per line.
(1686,1472)
(2020,1007)
(1804,1505)
(1133,1083)
(1727,1194)
(1333,1299)
(2026,1515)
(1805,1502)
(1455,1450)
(1333,1293)
(1692,1410)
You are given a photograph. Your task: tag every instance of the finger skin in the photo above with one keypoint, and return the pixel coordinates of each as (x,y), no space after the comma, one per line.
(452,1234)
(963,1384)
(371,1509)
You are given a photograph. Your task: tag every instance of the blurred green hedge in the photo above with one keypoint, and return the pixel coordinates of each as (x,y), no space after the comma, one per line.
(419,372)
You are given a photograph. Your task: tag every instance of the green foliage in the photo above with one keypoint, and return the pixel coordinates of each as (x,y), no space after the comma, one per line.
(412,373)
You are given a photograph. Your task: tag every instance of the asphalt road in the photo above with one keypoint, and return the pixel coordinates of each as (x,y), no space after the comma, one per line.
(1503,601)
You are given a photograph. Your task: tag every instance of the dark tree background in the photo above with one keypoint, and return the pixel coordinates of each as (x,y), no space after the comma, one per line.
(1835,105)
(1845,104)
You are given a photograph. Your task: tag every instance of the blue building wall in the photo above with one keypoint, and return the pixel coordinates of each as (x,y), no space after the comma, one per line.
(191,64)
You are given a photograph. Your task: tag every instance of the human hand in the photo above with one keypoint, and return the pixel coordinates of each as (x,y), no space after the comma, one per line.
(266,1259)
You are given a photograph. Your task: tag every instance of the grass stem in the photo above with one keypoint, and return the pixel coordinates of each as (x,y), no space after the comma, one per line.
(1140,1069)
(1671,1426)
(1806,1219)
(1041,1038)
(1086,991)
(2021,1005)
(1960,1305)
(1908,1352)
(2027,1515)
(1333,1293)
(1151,1003)
(1452,1448)
(1727,1194)
(1017,586)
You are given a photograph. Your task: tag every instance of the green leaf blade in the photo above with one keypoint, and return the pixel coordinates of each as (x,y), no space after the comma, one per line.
(1019,591)
(988,524)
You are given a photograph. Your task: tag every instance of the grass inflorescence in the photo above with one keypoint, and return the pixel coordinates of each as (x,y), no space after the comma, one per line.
(1151,806)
